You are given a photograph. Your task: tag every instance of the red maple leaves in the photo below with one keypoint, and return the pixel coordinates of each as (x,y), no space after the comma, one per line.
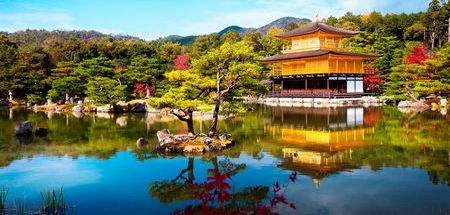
(372,83)
(139,88)
(419,54)
(216,195)
(182,62)
(216,188)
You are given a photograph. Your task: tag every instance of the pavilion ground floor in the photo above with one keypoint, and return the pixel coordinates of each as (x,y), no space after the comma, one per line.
(314,86)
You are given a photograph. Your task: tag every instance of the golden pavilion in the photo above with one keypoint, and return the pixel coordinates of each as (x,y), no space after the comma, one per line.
(317,63)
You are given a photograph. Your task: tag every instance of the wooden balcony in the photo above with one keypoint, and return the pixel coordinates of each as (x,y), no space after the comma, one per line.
(369,70)
(329,45)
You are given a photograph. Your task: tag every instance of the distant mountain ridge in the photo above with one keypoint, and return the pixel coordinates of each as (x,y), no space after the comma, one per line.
(279,23)
(36,37)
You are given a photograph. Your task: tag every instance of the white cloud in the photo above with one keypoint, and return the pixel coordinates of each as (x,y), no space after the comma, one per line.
(265,11)
(52,19)
(48,171)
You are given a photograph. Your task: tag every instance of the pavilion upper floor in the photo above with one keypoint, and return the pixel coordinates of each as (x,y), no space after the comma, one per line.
(321,62)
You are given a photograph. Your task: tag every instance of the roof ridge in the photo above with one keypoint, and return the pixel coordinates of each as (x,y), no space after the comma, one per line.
(315,26)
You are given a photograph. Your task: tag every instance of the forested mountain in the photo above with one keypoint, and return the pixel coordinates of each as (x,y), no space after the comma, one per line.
(36,37)
(282,23)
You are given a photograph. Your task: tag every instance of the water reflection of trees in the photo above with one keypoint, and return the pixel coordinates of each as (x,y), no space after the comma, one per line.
(380,137)
(90,135)
(319,149)
(215,194)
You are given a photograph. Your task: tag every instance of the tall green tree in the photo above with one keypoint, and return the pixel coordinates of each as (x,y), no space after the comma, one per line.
(230,37)
(233,69)
(433,20)
(100,66)
(144,70)
(190,91)
(271,44)
(104,90)
(203,44)
(65,87)
(8,52)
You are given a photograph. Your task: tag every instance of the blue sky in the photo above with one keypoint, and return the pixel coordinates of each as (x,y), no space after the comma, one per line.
(150,19)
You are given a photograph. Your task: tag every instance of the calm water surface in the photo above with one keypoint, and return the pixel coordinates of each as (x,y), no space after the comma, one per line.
(348,161)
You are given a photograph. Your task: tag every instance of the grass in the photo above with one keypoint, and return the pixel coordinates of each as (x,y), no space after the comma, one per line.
(3,196)
(20,206)
(53,202)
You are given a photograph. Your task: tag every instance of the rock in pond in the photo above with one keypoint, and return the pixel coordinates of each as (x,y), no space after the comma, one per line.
(4,103)
(404,104)
(24,128)
(41,132)
(105,109)
(141,142)
(443,102)
(78,108)
(420,106)
(189,143)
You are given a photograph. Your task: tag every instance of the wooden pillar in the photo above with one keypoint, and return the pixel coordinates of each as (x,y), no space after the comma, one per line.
(282,87)
(273,86)
(306,84)
(328,83)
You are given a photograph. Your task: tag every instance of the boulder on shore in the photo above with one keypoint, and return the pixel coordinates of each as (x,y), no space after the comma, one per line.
(189,143)
(4,103)
(78,108)
(41,132)
(443,102)
(134,106)
(24,128)
(141,142)
(404,104)
(105,109)
(420,105)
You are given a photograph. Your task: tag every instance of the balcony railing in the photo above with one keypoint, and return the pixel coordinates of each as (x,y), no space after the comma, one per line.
(315,93)
(369,70)
(323,45)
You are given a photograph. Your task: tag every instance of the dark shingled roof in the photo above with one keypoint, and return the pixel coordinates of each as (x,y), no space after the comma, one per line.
(315,26)
(315,53)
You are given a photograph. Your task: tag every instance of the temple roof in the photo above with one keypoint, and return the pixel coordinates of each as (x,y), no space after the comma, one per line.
(315,53)
(315,26)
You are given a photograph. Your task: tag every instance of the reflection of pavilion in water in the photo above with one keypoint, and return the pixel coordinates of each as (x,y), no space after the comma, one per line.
(319,141)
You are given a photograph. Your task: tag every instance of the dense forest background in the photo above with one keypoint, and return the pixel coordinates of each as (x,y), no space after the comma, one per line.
(37,65)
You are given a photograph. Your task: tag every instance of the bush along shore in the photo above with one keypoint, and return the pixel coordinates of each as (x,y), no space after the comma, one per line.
(134,106)
(52,202)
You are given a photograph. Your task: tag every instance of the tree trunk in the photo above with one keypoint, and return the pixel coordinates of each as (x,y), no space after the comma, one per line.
(147,91)
(410,93)
(190,122)
(213,129)
(432,38)
(191,177)
(188,118)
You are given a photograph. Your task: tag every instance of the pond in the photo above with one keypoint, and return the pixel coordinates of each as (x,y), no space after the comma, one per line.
(322,160)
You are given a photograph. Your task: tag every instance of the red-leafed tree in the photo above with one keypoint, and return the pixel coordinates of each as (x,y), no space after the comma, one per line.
(182,62)
(139,88)
(372,83)
(419,54)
